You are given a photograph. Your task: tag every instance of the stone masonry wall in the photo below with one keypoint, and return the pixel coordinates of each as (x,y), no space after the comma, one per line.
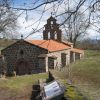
(22,50)
(1,65)
(58,55)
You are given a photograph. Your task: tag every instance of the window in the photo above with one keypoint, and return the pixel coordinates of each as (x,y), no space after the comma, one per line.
(21,52)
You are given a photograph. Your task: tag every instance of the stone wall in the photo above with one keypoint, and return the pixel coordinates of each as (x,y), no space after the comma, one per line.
(1,64)
(77,56)
(22,51)
(42,64)
(51,63)
(57,54)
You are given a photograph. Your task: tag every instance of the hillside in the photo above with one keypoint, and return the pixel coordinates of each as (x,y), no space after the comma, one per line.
(5,42)
(85,74)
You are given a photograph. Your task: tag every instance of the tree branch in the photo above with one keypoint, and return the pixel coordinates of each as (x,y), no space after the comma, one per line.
(31,8)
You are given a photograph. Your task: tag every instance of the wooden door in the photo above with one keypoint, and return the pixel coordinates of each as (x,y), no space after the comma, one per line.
(22,68)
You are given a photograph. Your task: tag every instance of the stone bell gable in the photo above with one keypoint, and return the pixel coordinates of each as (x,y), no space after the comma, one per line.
(22,57)
(52,30)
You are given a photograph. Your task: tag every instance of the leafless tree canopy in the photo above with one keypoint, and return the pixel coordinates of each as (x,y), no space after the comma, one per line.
(8,22)
(76,15)
(76,27)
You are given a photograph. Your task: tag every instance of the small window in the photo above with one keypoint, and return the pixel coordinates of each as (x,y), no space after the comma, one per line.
(21,52)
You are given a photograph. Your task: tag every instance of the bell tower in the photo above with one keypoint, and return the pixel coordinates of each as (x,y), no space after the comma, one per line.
(52,30)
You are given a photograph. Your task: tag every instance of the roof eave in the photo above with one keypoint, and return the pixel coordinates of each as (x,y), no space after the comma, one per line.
(59,50)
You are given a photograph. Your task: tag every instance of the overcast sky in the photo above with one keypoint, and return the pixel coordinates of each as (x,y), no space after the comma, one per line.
(28,21)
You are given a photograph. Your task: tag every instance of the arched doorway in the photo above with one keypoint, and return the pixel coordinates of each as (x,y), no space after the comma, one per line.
(22,67)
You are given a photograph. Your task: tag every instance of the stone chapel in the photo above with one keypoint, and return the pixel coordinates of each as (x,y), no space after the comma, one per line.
(35,56)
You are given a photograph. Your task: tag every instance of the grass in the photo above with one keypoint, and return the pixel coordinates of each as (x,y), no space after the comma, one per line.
(85,75)
(72,92)
(20,81)
(20,87)
(88,69)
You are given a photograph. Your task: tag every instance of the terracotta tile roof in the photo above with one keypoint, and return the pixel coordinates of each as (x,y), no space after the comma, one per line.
(67,42)
(50,45)
(77,50)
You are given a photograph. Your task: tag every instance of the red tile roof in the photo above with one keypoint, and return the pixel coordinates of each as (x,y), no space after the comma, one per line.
(77,50)
(67,42)
(50,45)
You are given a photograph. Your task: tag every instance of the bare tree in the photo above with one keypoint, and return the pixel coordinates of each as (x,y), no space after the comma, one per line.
(76,27)
(78,24)
(8,21)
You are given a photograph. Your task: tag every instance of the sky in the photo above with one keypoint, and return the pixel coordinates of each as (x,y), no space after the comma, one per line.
(35,19)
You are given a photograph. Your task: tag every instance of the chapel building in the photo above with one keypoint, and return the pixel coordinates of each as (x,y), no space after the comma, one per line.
(35,56)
